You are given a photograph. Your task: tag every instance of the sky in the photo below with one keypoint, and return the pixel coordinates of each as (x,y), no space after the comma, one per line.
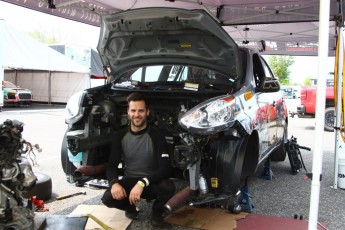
(75,33)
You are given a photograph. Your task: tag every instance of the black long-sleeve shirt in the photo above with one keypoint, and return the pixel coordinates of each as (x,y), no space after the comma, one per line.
(144,154)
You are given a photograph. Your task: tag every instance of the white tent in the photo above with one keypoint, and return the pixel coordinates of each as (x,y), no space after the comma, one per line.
(30,64)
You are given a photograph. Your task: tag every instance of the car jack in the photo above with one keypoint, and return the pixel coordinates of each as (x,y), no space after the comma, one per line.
(267,172)
(244,200)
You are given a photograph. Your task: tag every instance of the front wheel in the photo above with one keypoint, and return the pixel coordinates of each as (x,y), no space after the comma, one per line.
(329,119)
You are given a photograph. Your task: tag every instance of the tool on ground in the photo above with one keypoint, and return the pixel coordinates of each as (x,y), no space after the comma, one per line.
(70,195)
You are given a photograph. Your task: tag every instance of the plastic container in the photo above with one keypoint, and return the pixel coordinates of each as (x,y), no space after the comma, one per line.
(341,171)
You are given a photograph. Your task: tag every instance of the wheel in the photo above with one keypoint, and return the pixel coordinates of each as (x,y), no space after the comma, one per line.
(329,119)
(42,189)
(280,153)
(67,166)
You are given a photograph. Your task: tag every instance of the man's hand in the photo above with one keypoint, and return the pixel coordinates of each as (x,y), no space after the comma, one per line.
(134,196)
(118,192)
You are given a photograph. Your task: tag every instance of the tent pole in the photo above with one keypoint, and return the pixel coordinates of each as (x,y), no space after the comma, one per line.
(320,113)
(49,88)
(339,143)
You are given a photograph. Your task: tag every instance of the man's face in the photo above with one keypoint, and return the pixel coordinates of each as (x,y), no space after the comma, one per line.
(138,113)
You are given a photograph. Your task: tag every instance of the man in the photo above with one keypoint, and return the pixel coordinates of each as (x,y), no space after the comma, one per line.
(147,168)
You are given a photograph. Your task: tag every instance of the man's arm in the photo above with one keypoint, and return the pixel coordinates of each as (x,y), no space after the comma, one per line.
(164,169)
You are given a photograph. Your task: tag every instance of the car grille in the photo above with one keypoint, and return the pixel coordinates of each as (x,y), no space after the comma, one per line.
(11,96)
(23,96)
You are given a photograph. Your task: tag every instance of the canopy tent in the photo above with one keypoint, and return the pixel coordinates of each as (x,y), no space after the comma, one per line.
(48,74)
(85,56)
(288,27)
(20,51)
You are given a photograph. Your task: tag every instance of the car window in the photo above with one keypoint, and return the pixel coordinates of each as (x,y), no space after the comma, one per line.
(267,70)
(9,85)
(258,71)
(177,74)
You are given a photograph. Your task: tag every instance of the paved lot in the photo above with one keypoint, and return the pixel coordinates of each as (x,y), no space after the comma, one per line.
(285,196)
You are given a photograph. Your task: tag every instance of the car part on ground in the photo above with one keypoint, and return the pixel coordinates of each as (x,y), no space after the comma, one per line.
(16,178)
(218,105)
(295,156)
(42,189)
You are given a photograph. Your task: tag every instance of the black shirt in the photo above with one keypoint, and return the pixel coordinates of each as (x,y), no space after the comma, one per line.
(144,154)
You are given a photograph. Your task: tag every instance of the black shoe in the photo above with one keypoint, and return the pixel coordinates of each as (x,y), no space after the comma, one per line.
(132,213)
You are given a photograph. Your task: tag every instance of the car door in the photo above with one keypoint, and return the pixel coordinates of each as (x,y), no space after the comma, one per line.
(267,114)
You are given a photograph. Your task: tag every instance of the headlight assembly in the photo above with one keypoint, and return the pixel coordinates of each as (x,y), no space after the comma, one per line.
(74,110)
(211,116)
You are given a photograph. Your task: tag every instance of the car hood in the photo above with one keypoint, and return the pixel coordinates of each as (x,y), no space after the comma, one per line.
(157,36)
(16,89)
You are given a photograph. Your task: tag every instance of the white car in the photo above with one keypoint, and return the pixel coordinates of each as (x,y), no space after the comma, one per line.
(218,105)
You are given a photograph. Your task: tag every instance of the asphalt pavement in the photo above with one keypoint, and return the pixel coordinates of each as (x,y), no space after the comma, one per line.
(284,196)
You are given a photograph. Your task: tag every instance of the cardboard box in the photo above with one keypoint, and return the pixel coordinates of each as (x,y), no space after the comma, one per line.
(112,217)
(205,218)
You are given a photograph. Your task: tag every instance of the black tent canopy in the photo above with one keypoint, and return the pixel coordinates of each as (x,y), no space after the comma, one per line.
(288,27)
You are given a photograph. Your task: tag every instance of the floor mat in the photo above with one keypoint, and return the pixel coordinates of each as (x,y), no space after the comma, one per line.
(205,218)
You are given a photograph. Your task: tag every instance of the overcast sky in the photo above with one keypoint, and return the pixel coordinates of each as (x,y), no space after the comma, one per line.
(75,33)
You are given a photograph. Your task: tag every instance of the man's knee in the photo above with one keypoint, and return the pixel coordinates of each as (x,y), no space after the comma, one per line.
(107,198)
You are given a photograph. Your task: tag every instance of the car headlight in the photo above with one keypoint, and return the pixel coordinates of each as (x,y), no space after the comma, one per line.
(74,110)
(210,116)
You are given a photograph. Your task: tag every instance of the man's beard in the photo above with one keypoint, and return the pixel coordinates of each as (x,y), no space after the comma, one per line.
(140,124)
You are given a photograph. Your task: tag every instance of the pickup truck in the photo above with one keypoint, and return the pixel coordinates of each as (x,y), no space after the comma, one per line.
(308,104)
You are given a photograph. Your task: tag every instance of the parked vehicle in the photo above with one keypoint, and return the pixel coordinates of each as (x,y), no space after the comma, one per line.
(307,107)
(15,95)
(219,105)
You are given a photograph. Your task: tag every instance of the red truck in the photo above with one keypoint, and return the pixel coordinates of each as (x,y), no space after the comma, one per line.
(308,104)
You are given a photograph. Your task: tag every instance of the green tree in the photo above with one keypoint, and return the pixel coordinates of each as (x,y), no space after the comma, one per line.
(43,38)
(280,67)
(307,81)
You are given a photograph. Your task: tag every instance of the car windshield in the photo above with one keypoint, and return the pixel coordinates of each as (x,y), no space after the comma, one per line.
(9,85)
(174,73)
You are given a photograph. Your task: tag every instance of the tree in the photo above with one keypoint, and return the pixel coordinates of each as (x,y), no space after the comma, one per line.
(280,67)
(307,81)
(43,38)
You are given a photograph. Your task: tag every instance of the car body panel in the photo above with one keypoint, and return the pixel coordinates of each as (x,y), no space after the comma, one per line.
(163,35)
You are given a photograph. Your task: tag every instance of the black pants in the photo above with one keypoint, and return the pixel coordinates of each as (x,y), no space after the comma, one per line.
(160,192)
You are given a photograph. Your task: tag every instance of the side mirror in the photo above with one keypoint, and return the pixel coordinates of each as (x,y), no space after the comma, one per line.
(270,85)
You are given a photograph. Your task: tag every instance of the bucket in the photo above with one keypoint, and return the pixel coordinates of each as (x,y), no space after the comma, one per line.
(341,171)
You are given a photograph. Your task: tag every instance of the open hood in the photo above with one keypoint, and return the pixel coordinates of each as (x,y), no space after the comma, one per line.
(158,36)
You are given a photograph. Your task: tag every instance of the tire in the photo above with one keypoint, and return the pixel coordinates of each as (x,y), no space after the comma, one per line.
(67,166)
(42,189)
(329,119)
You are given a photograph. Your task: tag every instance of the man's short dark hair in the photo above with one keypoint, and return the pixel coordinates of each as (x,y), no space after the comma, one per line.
(135,96)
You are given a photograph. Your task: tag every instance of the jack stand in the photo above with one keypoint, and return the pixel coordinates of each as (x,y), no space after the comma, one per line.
(245,200)
(267,172)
